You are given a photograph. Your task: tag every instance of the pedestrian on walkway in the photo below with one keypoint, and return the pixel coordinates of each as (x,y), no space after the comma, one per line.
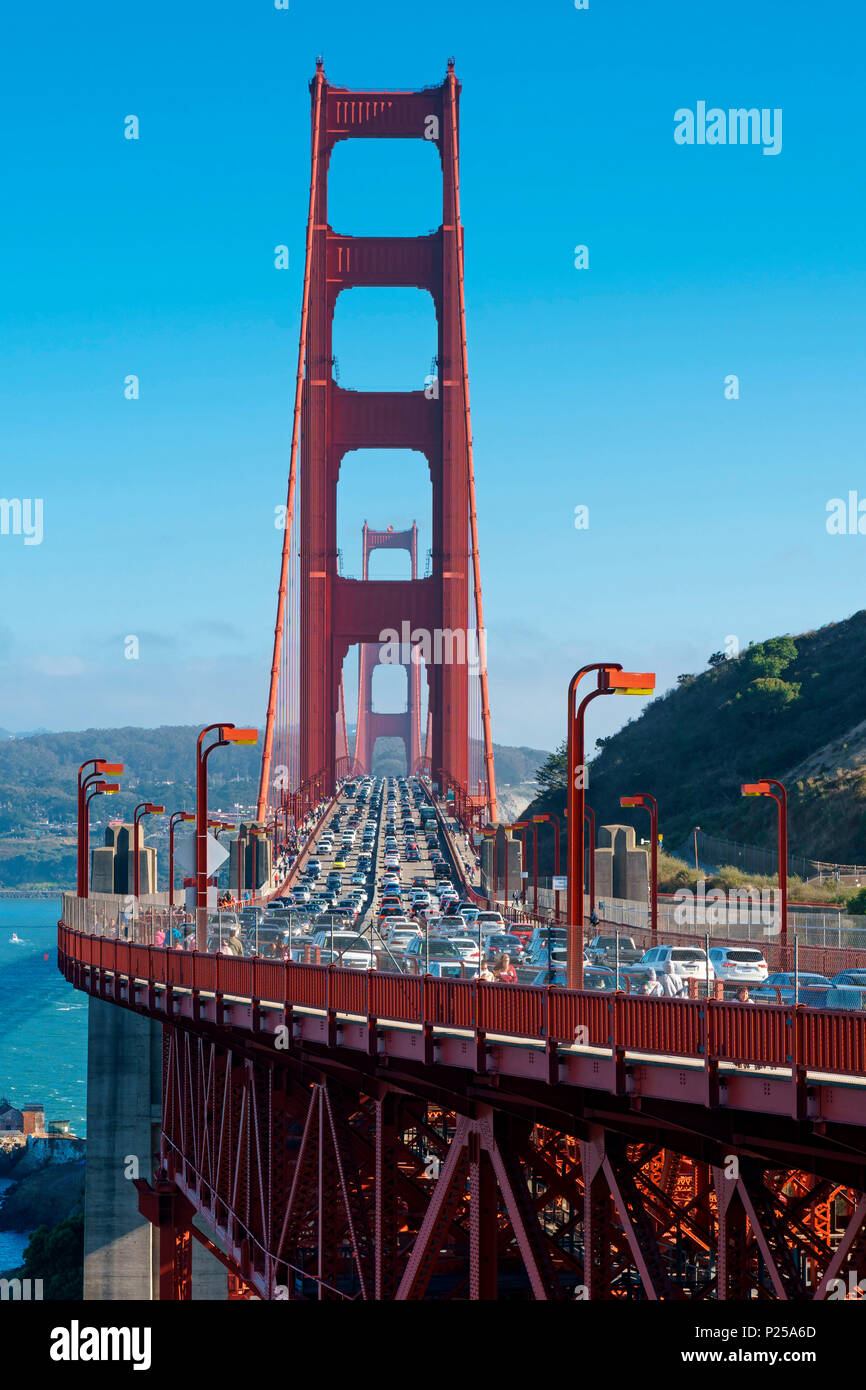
(504,971)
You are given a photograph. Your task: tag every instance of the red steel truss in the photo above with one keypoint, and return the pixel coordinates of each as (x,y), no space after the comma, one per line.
(335,1154)
(336,612)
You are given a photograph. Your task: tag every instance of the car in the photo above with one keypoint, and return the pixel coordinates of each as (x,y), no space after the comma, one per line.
(435,955)
(812,989)
(331,927)
(353,953)
(743,965)
(398,937)
(451,923)
(359,879)
(490,921)
(390,912)
(689,962)
(539,954)
(502,943)
(339,862)
(468,949)
(848,979)
(594,977)
(605,949)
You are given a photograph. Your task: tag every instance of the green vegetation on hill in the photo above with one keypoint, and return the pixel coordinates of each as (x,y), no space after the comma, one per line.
(38,780)
(789,707)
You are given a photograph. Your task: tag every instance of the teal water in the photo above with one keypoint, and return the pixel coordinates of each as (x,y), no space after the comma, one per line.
(43,1020)
(12,1243)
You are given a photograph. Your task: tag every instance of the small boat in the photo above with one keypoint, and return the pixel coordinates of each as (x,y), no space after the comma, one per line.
(16,940)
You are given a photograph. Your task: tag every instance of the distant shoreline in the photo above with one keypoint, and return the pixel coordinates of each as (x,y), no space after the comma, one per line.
(31,892)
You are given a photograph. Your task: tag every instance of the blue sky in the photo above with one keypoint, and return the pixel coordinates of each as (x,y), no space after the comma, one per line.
(602,387)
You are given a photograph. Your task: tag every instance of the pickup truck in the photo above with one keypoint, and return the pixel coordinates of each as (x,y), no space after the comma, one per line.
(603,950)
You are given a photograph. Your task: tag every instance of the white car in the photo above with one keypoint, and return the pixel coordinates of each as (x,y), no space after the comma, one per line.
(490,922)
(452,924)
(739,964)
(399,935)
(350,950)
(468,949)
(690,962)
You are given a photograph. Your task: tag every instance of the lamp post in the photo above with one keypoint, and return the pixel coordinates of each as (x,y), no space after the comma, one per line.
(780,796)
(525,825)
(589,817)
(93,787)
(553,820)
(144,808)
(172,822)
(612,680)
(226,734)
(98,768)
(649,802)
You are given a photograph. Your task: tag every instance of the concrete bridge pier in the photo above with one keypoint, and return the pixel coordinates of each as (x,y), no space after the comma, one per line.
(124,1111)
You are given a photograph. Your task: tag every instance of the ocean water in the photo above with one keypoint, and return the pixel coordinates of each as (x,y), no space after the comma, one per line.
(12,1243)
(43,1020)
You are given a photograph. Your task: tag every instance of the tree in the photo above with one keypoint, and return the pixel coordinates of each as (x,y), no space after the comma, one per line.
(770,658)
(772,695)
(717,659)
(55,1254)
(553,773)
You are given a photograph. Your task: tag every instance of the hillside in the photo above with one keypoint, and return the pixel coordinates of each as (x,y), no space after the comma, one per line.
(791,708)
(38,779)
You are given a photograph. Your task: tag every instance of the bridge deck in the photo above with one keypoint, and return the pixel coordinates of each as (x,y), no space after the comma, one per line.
(701,1052)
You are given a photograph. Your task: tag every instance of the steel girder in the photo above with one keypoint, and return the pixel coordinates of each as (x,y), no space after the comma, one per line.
(321,1183)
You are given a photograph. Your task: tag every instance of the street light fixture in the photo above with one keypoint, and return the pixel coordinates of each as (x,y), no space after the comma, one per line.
(612,680)
(98,768)
(144,808)
(226,734)
(649,802)
(589,818)
(172,822)
(524,826)
(93,787)
(780,796)
(553,820)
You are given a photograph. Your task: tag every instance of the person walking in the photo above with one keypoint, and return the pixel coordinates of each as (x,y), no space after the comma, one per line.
(503,970)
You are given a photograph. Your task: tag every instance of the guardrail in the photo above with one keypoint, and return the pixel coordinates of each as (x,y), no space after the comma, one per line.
(791,1037)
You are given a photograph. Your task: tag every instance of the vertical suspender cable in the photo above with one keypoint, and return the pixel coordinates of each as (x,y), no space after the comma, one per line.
(473,518)
(267,751)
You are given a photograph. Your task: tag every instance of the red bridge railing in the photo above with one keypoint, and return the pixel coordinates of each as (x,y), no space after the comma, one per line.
(707,1029)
